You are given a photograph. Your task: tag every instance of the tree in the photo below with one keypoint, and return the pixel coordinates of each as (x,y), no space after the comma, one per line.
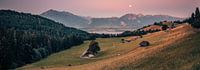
(94,47)
(192,16)
(194,20)
(197,13)
(164,27)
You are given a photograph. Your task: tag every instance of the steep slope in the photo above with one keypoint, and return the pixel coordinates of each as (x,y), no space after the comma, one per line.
(66,18)
(26,38)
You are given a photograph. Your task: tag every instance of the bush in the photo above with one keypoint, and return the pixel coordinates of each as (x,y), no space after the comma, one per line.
(144,44)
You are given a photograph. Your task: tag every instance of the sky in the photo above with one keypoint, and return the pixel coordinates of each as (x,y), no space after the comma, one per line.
(105,8)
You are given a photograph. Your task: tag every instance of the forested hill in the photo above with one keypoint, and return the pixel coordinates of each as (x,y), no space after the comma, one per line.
(26,38)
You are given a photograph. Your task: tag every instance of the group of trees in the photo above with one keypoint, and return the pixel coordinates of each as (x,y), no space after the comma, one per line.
(136,33)
(26,38)
(164,26)
(194,20)
(95,35)
(93,47)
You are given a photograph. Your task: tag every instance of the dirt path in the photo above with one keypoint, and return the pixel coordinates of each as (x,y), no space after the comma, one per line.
(169,38)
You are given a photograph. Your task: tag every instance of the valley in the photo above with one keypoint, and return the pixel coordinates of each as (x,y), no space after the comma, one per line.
(107,30)
(99,35)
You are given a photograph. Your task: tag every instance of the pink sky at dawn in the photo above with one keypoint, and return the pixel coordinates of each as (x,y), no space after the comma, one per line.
(105,8)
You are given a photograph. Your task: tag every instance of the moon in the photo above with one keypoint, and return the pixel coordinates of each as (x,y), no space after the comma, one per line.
(130,6)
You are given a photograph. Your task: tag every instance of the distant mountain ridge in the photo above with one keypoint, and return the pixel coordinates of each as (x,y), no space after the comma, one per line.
(126,21)
(66,18)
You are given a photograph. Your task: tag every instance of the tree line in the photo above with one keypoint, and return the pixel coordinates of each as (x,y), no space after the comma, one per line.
(194,20)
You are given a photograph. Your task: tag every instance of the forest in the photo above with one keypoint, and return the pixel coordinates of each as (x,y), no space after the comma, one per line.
(194,20)
(27,38)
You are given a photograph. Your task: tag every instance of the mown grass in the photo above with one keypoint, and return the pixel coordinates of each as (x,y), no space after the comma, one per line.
(184,55)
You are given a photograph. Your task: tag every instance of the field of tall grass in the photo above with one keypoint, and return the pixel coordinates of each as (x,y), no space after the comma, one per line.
(170,50)
(184,55)
(110,47)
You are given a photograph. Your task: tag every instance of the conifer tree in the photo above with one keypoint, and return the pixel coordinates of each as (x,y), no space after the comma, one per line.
(197,13)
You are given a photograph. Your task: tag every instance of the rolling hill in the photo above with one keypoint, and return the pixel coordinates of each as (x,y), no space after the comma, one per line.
(67,18)
(183,55)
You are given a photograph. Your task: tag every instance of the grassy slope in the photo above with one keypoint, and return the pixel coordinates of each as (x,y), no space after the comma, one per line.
(181,56)
(110,47)
(71,56)
(130,53)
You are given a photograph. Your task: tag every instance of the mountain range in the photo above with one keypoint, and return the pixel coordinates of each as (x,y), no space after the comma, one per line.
(126,21)
(66,18)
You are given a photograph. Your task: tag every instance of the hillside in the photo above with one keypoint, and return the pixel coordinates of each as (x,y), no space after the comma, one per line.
(116,55)
(26,38)
(183,55)
(67,18)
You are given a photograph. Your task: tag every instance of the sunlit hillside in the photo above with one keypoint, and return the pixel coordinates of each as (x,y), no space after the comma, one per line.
(114,54)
